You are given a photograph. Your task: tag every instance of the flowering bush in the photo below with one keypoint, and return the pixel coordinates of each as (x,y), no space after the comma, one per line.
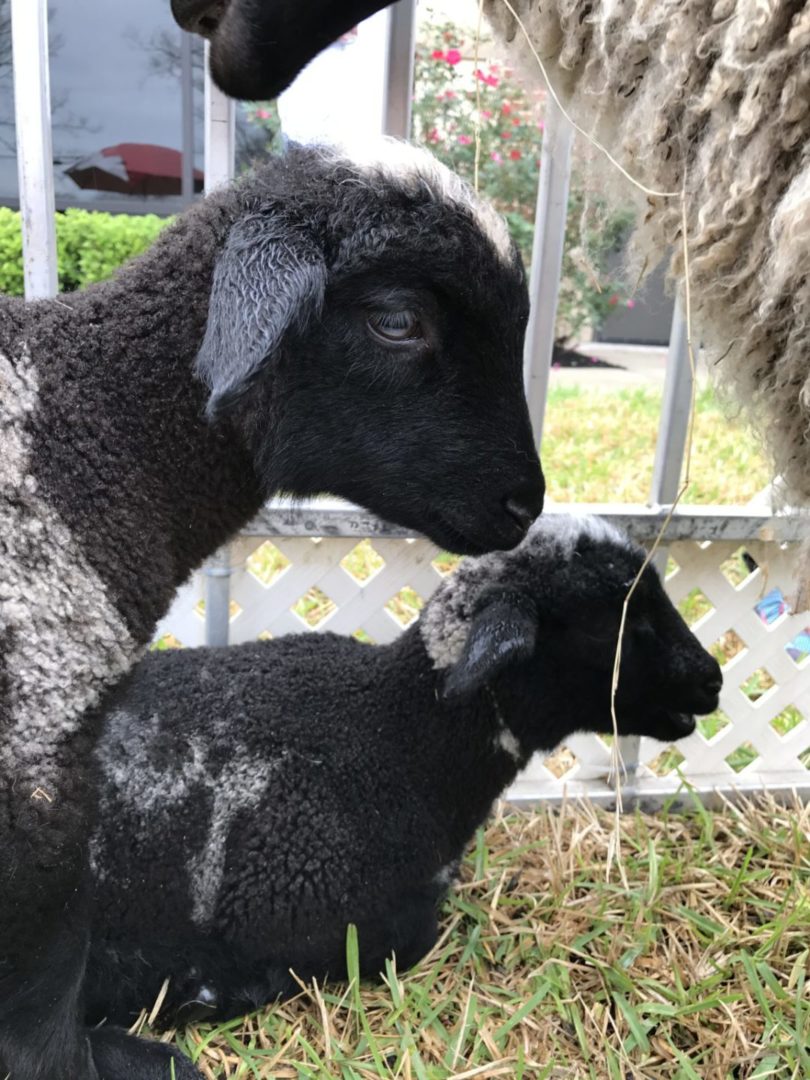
(449,90)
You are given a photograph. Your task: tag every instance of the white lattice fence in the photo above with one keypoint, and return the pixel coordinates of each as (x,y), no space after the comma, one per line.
(757,737)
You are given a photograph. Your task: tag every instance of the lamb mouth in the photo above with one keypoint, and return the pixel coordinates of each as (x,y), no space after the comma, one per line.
(465,543)
(683,723)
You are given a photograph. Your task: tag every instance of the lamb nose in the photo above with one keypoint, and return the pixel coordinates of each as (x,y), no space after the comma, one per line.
(714,685)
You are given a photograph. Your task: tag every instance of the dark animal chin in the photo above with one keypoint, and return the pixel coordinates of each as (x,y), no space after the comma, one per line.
(475,540)
(682,724)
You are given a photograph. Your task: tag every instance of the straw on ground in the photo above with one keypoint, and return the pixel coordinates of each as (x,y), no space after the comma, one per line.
(698,971)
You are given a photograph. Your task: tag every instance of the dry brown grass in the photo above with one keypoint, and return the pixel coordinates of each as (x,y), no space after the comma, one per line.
(546,969)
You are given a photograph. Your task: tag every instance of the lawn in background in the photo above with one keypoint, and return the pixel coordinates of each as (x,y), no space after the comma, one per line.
(599,446)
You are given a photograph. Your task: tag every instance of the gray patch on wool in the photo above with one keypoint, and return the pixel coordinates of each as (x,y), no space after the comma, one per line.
(507,741)
(447,875)
(133,758)
(242,789)
(66,639)
(445,621)
(402,161)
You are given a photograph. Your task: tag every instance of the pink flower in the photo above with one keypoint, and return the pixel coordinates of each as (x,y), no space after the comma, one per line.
(437,54)
(506,134)
(613,301)
(490,80)
(465,140)
(631,304)
(541,126)
(506,108)
(433,135)
(450,95)
(496,157)
(515,155)
(486,114)
(262,114)
(453,57)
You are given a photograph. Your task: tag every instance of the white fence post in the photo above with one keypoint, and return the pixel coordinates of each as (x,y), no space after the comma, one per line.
(32,110)
(399,73)
(220,124)
(547,254)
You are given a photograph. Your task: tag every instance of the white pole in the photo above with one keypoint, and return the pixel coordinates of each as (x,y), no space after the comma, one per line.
(547,254)
(399,76)
(32,111)
(220,125)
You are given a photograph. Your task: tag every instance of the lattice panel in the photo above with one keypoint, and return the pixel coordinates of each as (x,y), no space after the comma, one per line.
(283,585)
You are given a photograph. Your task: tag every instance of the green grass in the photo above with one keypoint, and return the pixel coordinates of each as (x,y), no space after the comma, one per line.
(599,446)
(547,968)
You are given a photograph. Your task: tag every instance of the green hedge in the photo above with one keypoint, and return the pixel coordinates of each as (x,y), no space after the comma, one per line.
(91,245)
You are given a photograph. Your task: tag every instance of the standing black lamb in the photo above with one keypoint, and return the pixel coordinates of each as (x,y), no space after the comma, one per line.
(348,325)
(255,800)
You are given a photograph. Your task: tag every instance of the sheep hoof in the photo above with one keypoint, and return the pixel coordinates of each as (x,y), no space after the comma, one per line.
(119,1056)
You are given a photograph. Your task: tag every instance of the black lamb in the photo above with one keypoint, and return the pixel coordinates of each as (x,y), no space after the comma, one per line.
(258,799)
(353,326)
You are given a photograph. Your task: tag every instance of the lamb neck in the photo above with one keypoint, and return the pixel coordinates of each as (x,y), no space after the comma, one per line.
(145,484)
(458,755)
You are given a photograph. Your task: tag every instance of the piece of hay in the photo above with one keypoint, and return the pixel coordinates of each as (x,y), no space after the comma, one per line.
(712,99)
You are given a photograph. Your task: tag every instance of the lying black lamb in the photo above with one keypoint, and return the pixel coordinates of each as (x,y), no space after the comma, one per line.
(257,799)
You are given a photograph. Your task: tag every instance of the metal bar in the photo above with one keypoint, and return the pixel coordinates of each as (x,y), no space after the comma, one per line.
(675,410)
(187,107)
(217,576)
(32,111)
(399,69)
(220,123)
(547,253)
(336,518)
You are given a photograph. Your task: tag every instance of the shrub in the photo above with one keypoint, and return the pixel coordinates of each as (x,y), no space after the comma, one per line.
(449,89)
(91,245)
(11,263)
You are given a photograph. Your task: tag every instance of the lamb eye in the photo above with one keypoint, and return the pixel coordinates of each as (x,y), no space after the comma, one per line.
(395,327)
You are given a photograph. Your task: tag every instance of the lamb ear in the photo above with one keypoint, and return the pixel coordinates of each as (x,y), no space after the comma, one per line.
(503,632)
(269,279)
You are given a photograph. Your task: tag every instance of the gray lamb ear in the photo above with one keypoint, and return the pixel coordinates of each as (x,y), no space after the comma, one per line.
(503,632)
(270,278)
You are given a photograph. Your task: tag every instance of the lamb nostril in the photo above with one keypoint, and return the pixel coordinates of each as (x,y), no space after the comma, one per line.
(524,503)
(522,514)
